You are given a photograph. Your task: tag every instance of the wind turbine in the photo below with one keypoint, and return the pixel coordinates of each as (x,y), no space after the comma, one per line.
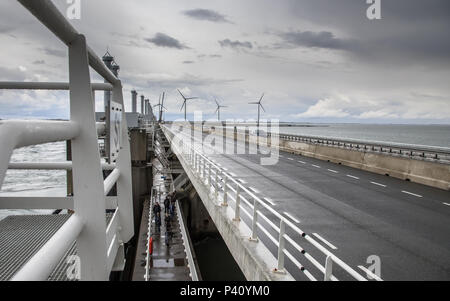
(218,109)
(185,99)
(161,106)
(260,106)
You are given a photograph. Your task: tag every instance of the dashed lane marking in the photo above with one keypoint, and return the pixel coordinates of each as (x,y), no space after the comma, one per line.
(333,170)
(353,177)
(292,218)
(378,184)
(410,193)
(329,244)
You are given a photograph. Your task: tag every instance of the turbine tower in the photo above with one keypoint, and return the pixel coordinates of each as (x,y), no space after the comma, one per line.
(218,109)
(161,106)
(185,99)
(260,106)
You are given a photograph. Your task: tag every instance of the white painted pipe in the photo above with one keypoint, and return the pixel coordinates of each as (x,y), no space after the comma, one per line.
(49,15)
(48,86)
(40,266)
(111,180)
(15,134)
(66,165)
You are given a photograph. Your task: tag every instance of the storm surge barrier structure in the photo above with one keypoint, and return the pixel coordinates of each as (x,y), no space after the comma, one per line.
(225,191)
(100,245)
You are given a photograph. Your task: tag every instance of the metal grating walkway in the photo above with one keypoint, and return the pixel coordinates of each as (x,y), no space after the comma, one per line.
(21,236)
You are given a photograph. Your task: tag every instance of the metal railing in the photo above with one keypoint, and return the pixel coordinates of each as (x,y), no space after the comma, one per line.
(413,151)
(97,243)
(224,187)
(435,153)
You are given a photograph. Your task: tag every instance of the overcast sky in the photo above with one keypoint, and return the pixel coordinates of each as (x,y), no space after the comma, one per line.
(315,60)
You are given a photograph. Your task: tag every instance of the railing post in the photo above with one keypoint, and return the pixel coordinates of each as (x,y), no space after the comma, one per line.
(254,236)
(209,174)
(237,211)
(328,268)
(89,198)
(225,191)
(281,243)
(216,184)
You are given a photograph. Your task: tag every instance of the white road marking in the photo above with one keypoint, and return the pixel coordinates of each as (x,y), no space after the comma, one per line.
(375,183)
(333,170)
(301,162)
(316,166)
(291,159)
(253,189)
(446,204)
(369,273)
(329,244)
(242,181)
(410,193)
(233,174)
(350,176)
(270,201)
(291,217)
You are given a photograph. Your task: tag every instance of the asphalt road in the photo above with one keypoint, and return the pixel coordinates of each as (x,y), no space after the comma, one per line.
(355,213)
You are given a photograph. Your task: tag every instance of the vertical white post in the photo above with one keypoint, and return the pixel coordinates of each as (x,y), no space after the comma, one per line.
(209,174)
(254,221)
(225,190)
(124,184)
(89,198)
(281,242)
(237,211)
(216,184)
(328,268)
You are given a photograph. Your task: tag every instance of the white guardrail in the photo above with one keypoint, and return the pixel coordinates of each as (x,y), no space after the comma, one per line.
(390,148)
(97,243)
(225,187)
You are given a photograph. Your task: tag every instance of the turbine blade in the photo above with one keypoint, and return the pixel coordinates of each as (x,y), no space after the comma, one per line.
(181,94)
(261,98)
(182,106)
(216,110)
(188,98)
(254,103)
(262,107)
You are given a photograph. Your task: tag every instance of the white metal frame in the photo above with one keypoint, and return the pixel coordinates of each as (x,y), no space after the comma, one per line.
(97,243)
(228,188)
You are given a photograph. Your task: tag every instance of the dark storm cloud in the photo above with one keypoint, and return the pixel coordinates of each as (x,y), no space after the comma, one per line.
(322,39)
(414,30)
(206,15)
(236,44)
(163,40)
(5,29)
(54,52)
(39,62)
(188,62)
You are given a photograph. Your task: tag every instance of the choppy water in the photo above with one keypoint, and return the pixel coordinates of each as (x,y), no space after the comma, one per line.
(35,182)
(431,135)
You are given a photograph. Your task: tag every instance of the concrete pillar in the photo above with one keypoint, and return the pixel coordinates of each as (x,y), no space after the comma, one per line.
(134,101)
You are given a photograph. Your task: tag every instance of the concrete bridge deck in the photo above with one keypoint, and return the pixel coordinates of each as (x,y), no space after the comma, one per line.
(354,213)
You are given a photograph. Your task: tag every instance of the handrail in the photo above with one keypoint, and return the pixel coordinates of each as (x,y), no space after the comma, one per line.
(66,165)
(111,180)
(413,147)
(49,15)
(187,247)
(149,235)
(40,266)
(200,161)
(48,86)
